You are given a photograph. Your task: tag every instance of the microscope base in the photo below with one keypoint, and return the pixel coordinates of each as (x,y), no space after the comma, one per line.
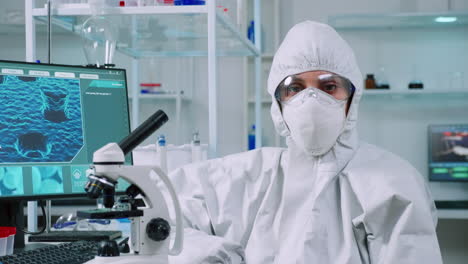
(131,259)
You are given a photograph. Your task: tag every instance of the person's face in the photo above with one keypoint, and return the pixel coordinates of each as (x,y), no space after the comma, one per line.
(314,79)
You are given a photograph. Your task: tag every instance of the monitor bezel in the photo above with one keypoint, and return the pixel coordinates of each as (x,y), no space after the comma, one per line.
(69,195)
(429,153)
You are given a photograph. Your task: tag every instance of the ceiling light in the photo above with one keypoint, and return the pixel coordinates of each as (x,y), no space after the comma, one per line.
(444,19)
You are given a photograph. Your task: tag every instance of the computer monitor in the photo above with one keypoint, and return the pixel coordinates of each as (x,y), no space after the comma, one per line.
(448,152)
(52,119)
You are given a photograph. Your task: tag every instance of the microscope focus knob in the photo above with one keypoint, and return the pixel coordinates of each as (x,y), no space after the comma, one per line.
(158,229)
(108,248)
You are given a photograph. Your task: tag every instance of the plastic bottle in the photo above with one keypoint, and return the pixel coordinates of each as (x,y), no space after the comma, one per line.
(251,32)
(189,2)
(252,138)
(161,147)
(165,2)
(196,148)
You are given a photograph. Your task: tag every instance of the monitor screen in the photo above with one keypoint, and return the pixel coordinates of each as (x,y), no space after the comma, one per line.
(448,152)
(52,119)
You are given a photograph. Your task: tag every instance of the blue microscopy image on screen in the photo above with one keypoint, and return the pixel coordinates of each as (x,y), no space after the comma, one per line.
(11,181)
(40,119)
(47,180)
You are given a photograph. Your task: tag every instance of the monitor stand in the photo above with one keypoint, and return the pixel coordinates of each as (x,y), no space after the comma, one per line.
(13,215)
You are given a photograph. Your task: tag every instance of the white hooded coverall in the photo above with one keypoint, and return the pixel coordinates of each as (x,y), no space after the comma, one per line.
(355,204)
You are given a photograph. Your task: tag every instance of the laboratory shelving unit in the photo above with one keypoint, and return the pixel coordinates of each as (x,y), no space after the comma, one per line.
(260,101)
(431,99)
(218,37)
(377,94)
(395,20)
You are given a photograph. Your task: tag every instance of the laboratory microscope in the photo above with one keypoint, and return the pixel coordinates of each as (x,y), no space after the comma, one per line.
(143,204)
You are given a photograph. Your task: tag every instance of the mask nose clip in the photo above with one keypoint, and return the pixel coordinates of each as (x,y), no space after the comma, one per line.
(312,93)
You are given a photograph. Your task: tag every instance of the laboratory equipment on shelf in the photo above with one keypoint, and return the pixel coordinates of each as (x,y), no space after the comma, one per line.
(369,82)
(382,80)
(251,137)
(415,82)
(99,41)
(162,153)
(165,2)
(189,2)
(147,209)
(177,155)
(196,148)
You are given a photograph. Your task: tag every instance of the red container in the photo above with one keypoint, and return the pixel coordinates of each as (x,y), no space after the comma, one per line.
(10,239)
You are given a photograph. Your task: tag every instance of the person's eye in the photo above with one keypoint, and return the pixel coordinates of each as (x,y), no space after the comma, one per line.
(330,87)
(293,89)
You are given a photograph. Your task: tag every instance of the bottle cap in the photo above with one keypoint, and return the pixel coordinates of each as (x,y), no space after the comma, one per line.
(161,140)
(196,138)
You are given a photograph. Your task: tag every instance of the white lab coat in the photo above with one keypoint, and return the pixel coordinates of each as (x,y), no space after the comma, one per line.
(355,204)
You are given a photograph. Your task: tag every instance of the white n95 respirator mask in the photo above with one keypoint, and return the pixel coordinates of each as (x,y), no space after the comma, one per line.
(315,120)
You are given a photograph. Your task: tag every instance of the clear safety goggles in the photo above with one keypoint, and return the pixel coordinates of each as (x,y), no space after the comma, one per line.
(334,85)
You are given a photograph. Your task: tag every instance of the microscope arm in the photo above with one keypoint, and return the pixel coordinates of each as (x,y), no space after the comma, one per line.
(154,199)
(179,238)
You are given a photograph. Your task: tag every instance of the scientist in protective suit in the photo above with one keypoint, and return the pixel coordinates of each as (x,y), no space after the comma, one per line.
(328,197)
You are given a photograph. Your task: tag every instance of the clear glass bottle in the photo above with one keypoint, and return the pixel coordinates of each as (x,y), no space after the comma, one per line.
(415,82)
(99,41)
(382,81)
(196,148)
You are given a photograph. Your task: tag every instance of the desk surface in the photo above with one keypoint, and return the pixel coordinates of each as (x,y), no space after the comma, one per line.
(452,213)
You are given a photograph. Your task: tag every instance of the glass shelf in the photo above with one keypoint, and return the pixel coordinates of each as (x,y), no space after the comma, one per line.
(161,97)
(264,100)
(415,94)
(19,29)
(396,20)
(160,31)
(390,94)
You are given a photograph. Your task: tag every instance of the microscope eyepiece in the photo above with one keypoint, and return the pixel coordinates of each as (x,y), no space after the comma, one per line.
(143,131)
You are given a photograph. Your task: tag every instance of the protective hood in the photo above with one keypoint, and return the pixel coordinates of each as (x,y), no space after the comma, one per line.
(353,204)
(311,46)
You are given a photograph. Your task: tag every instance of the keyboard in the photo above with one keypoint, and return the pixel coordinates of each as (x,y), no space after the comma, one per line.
(68,253)
(71,236)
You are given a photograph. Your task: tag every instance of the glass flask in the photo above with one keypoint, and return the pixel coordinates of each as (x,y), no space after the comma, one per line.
(99,41)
